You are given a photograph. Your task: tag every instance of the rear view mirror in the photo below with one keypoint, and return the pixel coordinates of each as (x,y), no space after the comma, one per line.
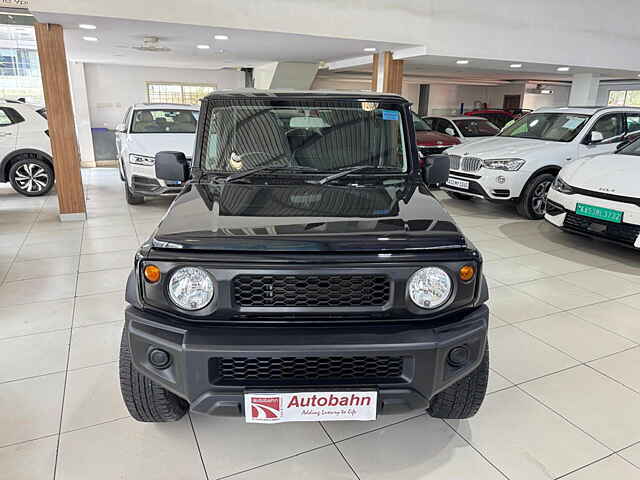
(172,166)
(596,137)
(437,169)
(307,122)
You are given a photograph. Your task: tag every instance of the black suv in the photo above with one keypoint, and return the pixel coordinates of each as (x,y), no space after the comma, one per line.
(305,254)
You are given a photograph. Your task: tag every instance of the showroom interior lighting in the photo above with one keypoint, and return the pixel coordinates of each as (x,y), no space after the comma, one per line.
(203,47)
(90,39)
(87,26)
(369,49)
(563,69)
(515,65)
(462,62)
(221,37)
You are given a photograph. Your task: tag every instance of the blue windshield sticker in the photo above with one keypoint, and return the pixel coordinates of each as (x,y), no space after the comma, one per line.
(390,115)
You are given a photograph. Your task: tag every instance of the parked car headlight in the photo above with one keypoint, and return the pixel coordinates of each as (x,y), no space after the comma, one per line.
(430,287)
(508,164)
(561,186)
(142,160)
(190,288)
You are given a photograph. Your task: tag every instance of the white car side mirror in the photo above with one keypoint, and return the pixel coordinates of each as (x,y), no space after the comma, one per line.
(120,128)
(596,137)
(450,131)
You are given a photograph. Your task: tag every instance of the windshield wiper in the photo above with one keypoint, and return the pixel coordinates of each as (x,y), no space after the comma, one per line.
(348,171)
(236,176)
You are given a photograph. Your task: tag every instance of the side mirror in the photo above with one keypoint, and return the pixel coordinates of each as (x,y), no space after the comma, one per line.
(172,166)
(450,131)
(120,128)
(437,169)
(596,137)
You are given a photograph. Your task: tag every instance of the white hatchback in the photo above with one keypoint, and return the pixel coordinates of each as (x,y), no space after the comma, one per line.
(146,130)
(599,197)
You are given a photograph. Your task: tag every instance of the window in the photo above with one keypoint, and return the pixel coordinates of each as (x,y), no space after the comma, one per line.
(186,94)
(557,127)
(620,98)
(9,116)
(633,122)
(164,121)
(4,119)
(610,126)
(477,127)
(442,125)
(419,124)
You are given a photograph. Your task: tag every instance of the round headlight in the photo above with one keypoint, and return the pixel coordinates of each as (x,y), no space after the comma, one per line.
(190,288)
(429,287)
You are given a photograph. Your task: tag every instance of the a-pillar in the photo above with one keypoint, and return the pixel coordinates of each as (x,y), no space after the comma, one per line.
(62,130)
(584,89)
(387,73)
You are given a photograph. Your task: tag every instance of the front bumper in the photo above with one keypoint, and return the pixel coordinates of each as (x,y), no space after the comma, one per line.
(489,184)
(560,211)
(213,366)
(143,181)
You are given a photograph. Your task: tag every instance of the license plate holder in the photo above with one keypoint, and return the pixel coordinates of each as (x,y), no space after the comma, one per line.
(279,407)
(599,213)
(455,182)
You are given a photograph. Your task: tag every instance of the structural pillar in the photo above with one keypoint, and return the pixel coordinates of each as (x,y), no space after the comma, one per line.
(387,73)
(62,130)
(584,89)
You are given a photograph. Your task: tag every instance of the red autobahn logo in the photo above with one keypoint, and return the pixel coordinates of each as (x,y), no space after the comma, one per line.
(265,408)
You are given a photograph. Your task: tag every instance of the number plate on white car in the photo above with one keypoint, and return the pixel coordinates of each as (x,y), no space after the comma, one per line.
(454,182)
(310,406)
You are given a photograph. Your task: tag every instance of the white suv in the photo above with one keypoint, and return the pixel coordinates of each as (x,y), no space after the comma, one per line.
(146,130)
(521,163)
(25,150)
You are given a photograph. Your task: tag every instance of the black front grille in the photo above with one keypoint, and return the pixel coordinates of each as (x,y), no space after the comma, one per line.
(621,232)
(312,291)
(312,370)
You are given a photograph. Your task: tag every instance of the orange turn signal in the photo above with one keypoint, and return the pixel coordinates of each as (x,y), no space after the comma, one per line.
(152,273)
(467,272)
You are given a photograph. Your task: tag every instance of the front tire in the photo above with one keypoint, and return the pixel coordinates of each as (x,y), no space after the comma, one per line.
(533,197)
(32,177)
(464,398)
(459,196)
(146,400)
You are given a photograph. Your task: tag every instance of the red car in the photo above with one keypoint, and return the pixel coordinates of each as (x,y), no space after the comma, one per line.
(429,141)
(498,117)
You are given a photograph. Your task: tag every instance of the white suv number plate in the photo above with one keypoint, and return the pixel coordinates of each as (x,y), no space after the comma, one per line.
(454,182)
(310,406)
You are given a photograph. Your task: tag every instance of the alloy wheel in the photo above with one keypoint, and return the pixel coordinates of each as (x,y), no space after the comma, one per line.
(539,197)
(31,178)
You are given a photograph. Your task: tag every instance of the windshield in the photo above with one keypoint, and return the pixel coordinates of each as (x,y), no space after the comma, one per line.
(419,124)
(164,121)
(557,127)
(325,137)
(476,127)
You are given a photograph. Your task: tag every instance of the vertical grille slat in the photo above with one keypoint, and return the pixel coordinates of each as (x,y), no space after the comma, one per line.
(316,291)
(465,164)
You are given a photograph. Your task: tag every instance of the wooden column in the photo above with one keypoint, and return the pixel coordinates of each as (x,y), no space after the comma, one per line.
(374,73)
(64,144)
(393,73)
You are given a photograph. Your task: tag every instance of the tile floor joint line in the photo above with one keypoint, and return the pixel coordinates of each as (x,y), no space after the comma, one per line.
(585,466)
(475,449)
(195,437)
(611,378)
(66,373)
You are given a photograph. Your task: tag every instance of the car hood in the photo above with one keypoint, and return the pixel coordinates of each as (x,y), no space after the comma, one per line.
(613,173)
(435,139)
(389,216)
(504,147)
(149,144)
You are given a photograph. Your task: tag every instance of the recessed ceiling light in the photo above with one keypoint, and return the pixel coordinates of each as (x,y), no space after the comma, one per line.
(90,39)
(221,37)
(221,51)
(369,49)
(203,47)
(462,62)
(516,65)
(563,69)
(87,26)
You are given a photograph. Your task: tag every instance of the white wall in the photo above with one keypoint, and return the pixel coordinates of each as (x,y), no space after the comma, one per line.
(445,99)
(605,88)
(113,88)
(559,97)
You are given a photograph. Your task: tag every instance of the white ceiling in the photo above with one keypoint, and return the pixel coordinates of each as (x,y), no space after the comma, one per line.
(245,48)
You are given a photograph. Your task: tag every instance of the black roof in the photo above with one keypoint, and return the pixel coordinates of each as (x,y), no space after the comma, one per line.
(252,93)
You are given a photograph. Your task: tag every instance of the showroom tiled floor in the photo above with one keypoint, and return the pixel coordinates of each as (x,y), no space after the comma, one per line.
(565,346)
